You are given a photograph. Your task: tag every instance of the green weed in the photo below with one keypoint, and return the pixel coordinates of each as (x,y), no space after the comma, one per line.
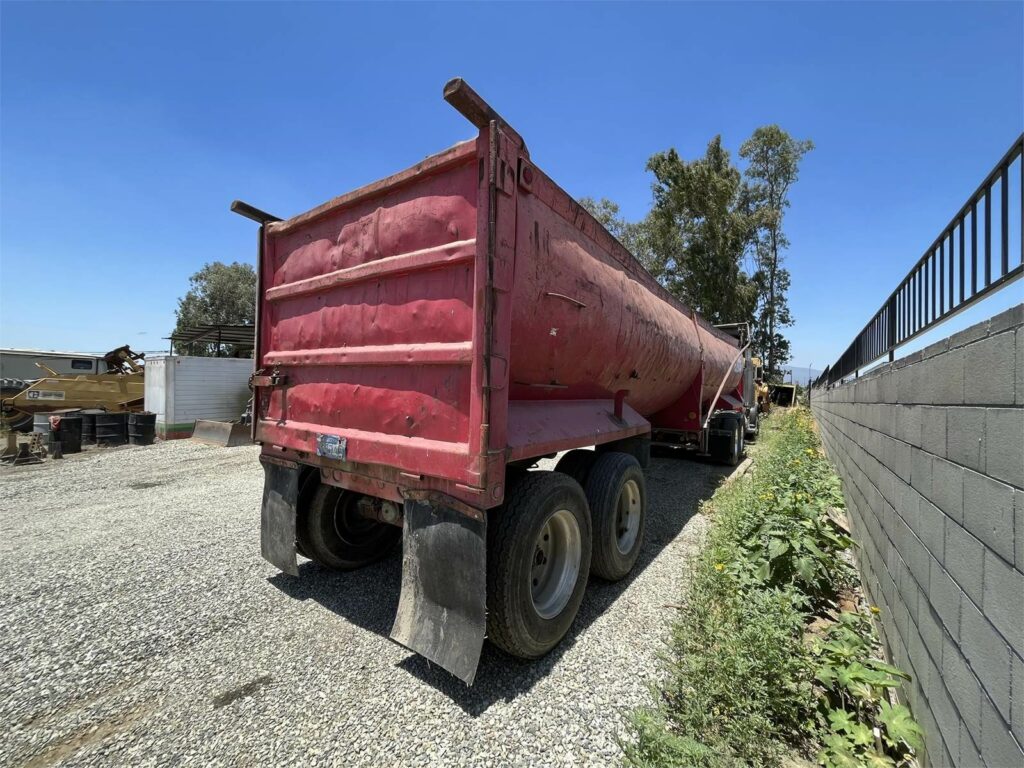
(743,685)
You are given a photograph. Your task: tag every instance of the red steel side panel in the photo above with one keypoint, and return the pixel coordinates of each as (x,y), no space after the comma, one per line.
(589,321)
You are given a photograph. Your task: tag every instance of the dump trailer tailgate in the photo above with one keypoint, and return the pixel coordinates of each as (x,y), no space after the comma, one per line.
(368,320)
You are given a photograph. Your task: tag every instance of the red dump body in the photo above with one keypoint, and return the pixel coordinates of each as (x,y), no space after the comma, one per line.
(462,314)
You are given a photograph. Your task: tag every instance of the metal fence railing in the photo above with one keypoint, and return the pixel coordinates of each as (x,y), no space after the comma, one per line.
(969,260)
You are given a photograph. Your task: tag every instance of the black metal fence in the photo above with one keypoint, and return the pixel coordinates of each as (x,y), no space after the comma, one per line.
(969,260)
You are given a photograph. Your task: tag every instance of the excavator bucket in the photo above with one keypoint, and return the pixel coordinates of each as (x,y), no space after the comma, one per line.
(224,433)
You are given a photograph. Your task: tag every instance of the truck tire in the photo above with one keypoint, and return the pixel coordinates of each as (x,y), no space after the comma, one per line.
(538,559)
(309,481)
(17,421)
(736,447)
(576,464)
(617,495)
(334,534)
(753,425)
(638,447)
(728,449)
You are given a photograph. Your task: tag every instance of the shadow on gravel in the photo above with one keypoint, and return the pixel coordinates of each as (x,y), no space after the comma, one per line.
(369,597)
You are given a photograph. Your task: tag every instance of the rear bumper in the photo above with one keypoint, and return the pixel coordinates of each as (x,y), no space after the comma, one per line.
(386,481)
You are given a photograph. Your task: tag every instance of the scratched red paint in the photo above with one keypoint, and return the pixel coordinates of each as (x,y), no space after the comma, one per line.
(441,349)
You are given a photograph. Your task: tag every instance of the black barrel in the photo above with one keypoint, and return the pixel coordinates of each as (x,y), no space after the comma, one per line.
(141,428)
(89,425)
(55,447)
(111,428)
(68,431)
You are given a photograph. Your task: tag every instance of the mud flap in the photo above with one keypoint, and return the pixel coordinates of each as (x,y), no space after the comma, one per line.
(277,516)
(442,611)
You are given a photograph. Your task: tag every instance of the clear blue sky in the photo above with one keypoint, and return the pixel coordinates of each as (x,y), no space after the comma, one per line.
(127,129)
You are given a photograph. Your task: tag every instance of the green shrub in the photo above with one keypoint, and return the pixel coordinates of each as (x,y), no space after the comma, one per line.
(853,699)
(737,686)
(742,686)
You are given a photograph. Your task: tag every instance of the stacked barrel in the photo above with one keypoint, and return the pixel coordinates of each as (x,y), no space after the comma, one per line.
(67,431)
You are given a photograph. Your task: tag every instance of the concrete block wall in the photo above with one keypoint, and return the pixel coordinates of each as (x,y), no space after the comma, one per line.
(931,452)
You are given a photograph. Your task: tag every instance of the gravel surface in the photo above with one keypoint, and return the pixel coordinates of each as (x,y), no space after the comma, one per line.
(139,625)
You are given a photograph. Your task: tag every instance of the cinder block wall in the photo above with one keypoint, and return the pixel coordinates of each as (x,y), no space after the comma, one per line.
(931,452)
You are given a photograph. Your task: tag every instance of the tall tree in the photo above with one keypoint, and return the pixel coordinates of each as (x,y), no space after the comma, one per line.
(773,158)
(701,230)
(220,294)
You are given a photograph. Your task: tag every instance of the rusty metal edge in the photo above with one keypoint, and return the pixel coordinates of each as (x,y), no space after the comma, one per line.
(454,155)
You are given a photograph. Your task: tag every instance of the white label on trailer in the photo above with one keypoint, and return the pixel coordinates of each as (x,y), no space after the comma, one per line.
(44,394)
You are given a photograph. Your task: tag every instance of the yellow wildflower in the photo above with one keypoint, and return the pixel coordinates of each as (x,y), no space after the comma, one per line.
(719,567)
(876,610)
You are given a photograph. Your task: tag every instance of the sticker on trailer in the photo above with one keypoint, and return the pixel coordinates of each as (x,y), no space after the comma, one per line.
(331,447)
(44,394)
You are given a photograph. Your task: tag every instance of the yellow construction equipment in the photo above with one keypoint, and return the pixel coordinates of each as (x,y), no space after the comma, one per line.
(121,388)
(783,395)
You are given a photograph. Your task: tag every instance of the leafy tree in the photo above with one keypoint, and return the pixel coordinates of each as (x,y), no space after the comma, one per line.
(222,294)
(714,236)
(773,158)
(607,214)
(701,228)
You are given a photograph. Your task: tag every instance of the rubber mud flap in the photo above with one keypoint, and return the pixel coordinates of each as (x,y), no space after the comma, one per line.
(442,611)
(277,517)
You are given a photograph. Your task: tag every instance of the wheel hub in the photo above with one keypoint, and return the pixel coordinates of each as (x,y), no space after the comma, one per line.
(627,519)
(555,566)
(349,525)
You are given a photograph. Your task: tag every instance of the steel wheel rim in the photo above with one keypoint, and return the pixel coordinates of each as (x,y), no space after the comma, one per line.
(555,567)
(351,527)
(627,517)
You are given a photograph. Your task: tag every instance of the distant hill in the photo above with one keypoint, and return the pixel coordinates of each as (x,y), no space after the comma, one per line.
(801,374)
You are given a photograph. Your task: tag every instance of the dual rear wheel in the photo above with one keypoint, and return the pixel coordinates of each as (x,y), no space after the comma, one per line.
(551,533)
(331,531)
(549,536)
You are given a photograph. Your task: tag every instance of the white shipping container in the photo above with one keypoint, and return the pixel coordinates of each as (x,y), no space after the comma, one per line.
(181,389)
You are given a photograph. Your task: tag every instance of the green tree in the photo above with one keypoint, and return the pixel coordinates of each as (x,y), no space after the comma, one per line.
(221,294)
(701,229)
(773,164)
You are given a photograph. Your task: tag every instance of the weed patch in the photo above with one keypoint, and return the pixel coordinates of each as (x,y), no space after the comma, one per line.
(761,662)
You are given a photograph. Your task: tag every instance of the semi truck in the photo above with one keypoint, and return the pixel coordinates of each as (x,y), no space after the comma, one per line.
(423,341)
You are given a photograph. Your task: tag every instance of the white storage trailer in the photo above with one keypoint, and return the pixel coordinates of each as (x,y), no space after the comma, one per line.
(181,389)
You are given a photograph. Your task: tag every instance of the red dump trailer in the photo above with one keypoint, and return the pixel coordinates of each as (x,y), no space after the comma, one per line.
(422,341)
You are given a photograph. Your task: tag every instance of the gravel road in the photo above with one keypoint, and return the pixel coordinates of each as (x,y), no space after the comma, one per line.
(139,625)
